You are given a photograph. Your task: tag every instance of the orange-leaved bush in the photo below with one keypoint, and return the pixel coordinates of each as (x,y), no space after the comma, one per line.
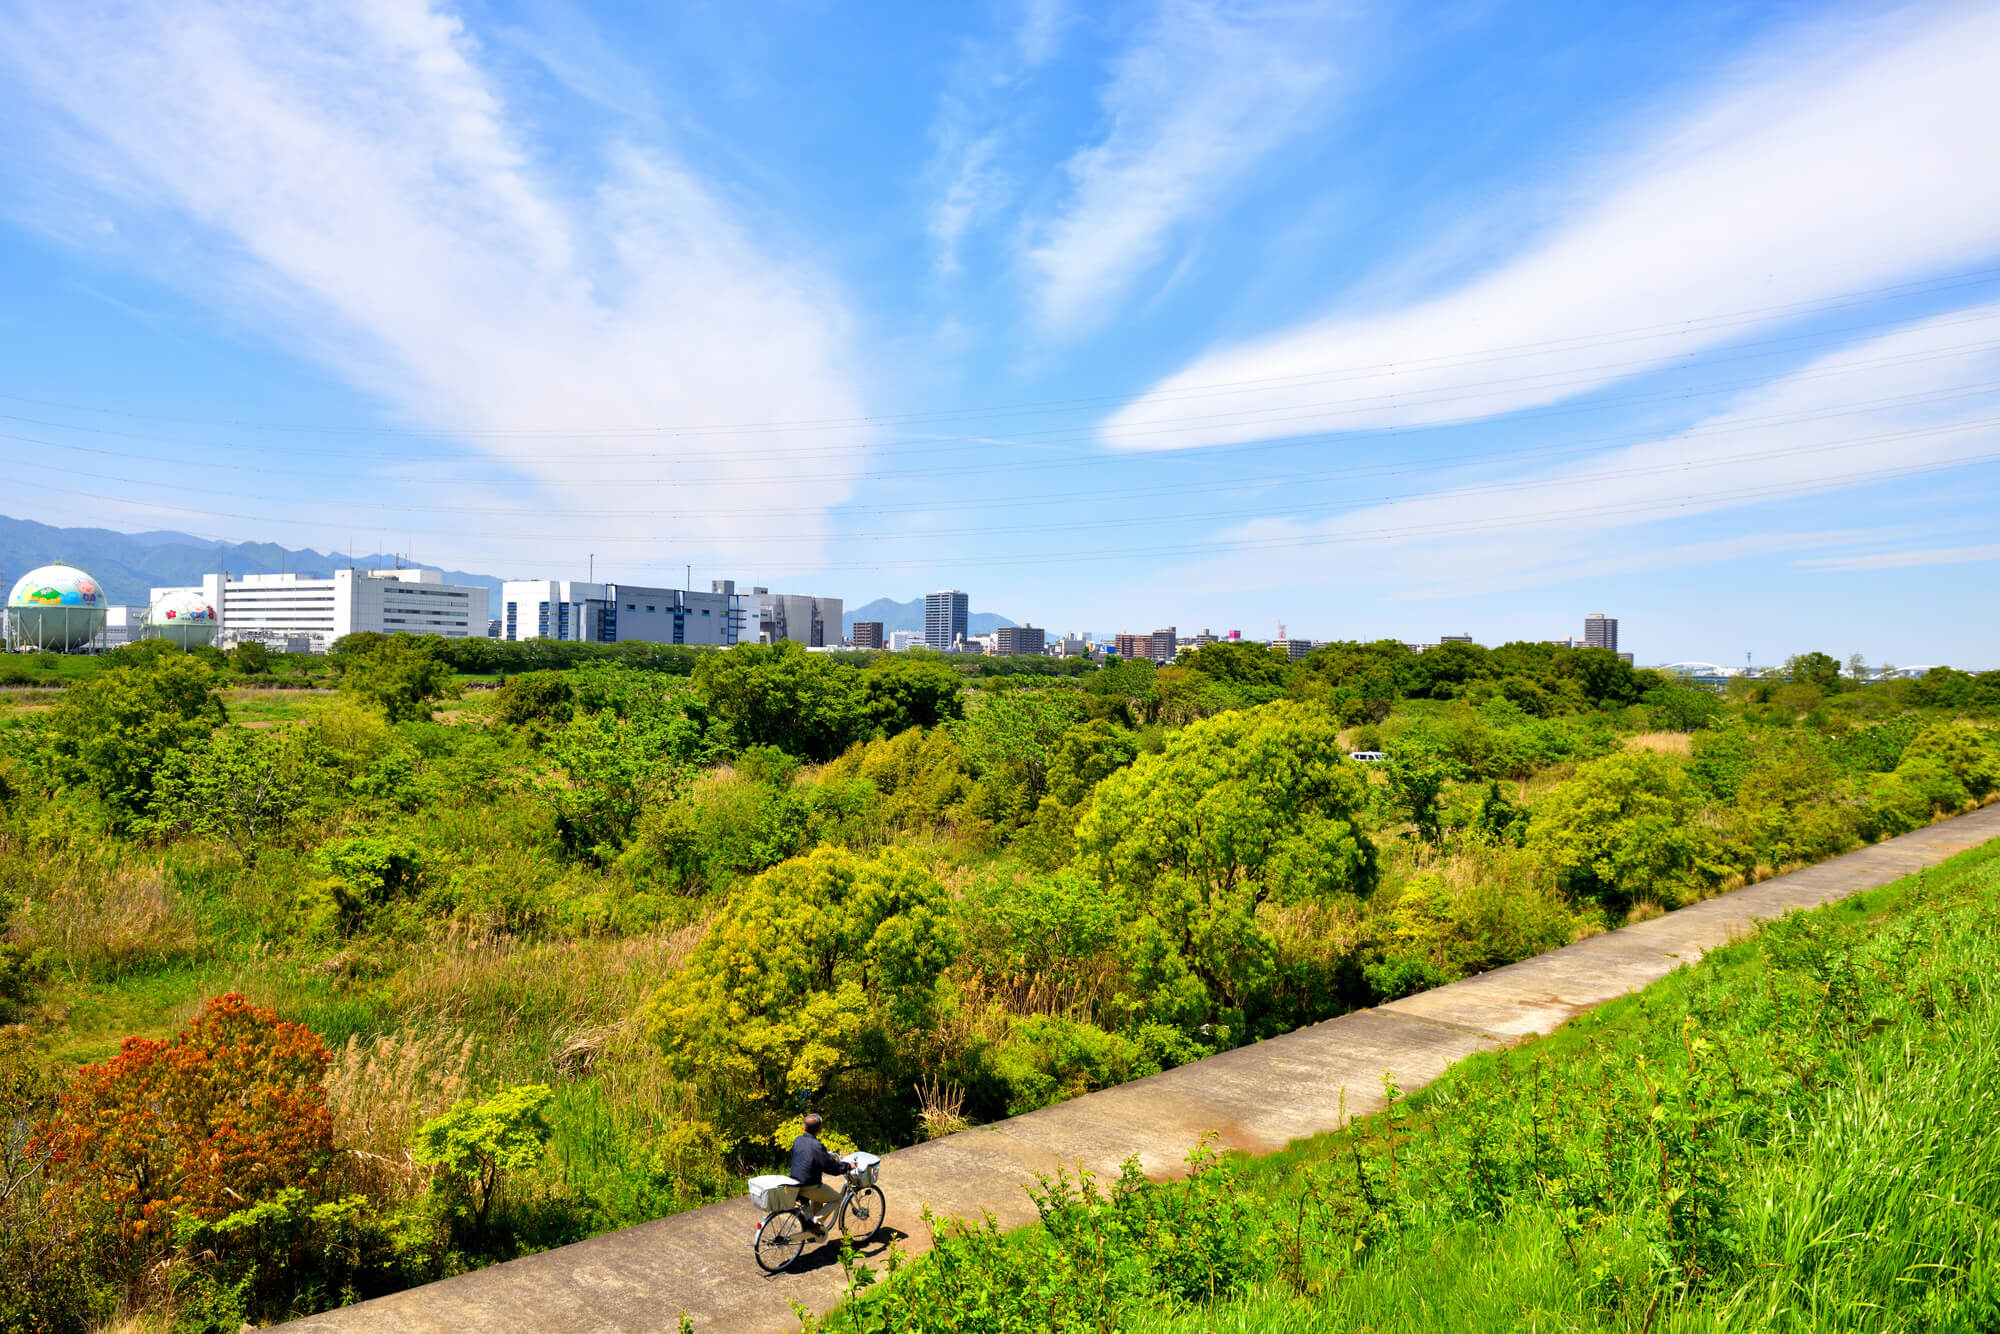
(227,1112)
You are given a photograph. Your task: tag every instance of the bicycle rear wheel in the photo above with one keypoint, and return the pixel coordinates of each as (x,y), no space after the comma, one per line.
(780,1238)
(862,1218)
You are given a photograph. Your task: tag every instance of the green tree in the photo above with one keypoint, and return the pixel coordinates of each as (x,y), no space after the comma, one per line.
(1011,738)
(1682,708)
(241,786)
(1820,670)
(1971,755)
(1239,663)
(1240,809)
(115,732)
(912,690)
(1624,828)
(533,699)
(822,969)
(250,658)
(604,771)
(476,1143)
(780,695)
(1418,776)
(1359,682)
(399,674)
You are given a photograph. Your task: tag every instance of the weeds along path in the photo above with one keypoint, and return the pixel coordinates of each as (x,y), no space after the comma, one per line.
(1259,1098)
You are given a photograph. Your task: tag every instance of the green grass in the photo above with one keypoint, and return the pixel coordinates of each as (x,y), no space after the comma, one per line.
(1802,1132)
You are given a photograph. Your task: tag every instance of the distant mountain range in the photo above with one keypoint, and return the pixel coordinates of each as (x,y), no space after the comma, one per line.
(910,616)
(130,565)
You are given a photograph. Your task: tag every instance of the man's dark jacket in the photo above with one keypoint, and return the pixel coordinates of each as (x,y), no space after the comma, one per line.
(810,1159)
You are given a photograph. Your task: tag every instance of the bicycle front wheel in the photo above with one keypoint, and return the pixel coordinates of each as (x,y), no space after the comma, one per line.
(863,1216)
(780,1238)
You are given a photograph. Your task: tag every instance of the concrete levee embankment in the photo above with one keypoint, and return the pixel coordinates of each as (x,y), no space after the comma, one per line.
(1258,1098)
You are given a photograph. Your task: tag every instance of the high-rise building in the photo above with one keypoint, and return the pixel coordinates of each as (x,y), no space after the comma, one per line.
(866,634)
(946,617)
(1020,639)
(1294,649)
(1600,631)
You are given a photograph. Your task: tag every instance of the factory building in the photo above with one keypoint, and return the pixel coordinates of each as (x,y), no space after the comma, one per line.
(287,609)
(812,621)
(608,613)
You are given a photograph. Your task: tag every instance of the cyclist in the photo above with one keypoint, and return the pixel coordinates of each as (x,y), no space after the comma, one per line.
(810,1161)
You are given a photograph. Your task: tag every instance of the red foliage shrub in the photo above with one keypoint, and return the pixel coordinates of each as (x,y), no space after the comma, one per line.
(226,1113)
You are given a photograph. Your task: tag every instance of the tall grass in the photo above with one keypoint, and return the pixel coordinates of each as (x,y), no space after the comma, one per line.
(1802,1132)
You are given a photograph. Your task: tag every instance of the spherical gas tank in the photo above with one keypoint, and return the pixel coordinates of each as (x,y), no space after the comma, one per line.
(182,617)
(57,608)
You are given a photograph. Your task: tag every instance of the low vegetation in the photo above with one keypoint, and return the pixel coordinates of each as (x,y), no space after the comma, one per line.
(510,944)
(1797,1133)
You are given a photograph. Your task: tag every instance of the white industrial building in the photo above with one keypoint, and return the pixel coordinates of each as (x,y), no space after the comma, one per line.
(607,613)
(899,640)
(289,609)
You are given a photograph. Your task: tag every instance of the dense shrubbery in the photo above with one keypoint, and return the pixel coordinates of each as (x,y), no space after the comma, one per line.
(688,892)
(1794,1135)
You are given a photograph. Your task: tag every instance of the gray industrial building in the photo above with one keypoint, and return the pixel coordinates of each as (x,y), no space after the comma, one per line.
(946,618)
(798,617)
(570,609)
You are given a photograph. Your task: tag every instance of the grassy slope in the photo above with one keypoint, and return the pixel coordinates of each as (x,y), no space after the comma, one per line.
(1843,1215)
(1860,1195)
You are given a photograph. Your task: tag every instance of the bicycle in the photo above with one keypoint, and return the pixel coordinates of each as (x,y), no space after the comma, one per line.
(782,1235)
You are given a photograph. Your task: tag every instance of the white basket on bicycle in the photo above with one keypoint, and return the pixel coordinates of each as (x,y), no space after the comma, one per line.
(774,1194)
(867,1167)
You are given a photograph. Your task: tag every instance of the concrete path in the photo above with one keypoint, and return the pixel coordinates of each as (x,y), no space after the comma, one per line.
(1259,1098)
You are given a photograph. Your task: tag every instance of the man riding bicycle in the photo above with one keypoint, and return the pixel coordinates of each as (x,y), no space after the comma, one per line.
(810,1160)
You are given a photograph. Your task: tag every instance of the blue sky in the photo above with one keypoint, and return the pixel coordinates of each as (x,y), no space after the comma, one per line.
(1376,320)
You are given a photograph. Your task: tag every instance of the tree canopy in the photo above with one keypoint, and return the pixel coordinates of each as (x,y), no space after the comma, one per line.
(811,974)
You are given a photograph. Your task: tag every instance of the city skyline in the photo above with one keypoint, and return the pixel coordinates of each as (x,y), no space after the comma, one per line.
(1208,313)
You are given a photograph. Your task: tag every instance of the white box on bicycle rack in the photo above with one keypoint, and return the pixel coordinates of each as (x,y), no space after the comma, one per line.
(773,1194)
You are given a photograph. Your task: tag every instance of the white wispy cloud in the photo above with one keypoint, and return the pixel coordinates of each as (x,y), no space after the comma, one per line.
(1831,165)
(975,120)
(1919,399)
(1905,560)
(1190,108)
(351,178)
